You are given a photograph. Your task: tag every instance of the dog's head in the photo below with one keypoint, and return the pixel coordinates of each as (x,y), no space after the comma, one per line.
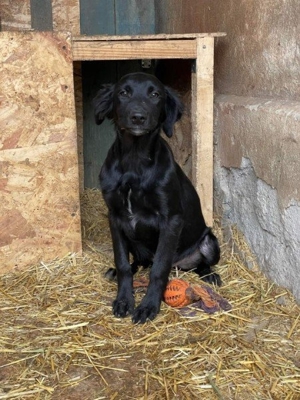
(139,103)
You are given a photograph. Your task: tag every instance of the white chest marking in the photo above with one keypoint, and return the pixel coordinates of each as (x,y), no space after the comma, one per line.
(129,206)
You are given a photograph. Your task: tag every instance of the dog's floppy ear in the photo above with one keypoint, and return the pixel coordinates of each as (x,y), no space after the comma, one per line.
(173,109)
(103,103)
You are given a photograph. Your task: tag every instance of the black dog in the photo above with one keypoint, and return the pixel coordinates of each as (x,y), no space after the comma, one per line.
(154,210)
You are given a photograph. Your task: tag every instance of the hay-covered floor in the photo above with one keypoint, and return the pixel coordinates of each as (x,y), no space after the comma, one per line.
(59,340)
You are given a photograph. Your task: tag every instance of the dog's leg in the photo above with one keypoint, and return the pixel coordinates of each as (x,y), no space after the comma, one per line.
(210,255)
(202,259)
(124,303)
(162,264)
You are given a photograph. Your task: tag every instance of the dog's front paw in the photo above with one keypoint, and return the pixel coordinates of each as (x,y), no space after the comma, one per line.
(145,311)
(123,306)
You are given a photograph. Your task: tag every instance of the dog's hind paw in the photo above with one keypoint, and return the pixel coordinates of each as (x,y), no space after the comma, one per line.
(111,274)
(213,279)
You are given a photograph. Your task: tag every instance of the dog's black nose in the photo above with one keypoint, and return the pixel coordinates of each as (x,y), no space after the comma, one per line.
(138,118)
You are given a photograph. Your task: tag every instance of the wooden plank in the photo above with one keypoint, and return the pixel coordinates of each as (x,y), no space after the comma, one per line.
(66,16)
(202,125)
(159,36)
(41,16)
(130,50)
(39,197)
(97,17)
(134,17)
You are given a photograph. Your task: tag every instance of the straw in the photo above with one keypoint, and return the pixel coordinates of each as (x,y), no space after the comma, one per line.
(59,339)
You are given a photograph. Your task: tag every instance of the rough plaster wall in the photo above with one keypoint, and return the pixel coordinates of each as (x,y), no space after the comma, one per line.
(257,120)
(274,236)
(266,131)
(257,179)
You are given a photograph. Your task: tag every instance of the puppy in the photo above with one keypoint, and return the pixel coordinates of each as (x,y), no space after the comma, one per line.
(154,211)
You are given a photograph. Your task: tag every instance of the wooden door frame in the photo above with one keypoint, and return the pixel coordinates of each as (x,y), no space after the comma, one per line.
(199,47)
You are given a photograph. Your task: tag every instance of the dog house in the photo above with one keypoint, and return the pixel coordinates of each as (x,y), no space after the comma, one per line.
(39,146)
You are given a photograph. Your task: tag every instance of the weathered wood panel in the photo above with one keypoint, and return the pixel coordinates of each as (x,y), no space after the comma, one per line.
(117,17)
(97,17)
(39,199)
(15,15)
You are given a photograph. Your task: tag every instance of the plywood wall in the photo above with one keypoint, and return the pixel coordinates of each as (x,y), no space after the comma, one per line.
(66,16)
(15,15)
(39,195)
(20,15)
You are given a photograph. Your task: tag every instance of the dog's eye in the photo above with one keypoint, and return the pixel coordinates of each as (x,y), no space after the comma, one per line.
(123,93)
(154,94)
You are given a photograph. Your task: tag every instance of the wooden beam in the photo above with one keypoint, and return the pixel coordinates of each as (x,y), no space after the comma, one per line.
(133,49)
(202,125)
(157,36)
(198,46)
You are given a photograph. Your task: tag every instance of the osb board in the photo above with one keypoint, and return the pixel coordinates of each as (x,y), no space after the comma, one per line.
(15,15)
(66,16)
(39,199)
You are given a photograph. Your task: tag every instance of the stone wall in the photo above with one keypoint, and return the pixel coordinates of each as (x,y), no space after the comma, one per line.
(257,121)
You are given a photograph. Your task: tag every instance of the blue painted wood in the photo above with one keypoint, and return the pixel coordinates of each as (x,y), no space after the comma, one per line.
(97,17)
(96,139)
(135,17)
(41,15)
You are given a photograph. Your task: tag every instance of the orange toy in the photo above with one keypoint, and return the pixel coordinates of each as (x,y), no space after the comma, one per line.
(175,294)
(180,293)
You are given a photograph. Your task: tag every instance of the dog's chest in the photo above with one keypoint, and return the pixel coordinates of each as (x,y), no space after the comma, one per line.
(139,207)
(134,201)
